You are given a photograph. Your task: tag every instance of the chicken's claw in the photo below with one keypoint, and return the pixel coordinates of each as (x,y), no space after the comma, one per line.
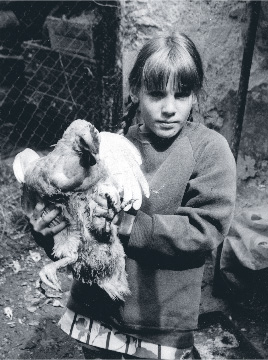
(48,275)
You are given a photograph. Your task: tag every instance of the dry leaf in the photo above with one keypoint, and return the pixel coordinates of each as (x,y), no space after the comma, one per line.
(31,308)
(34,323)
(16,266)
(35,255)
(57,303)
(35,301)
(8,312)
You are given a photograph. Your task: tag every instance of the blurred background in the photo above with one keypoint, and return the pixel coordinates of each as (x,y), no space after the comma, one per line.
(59,61)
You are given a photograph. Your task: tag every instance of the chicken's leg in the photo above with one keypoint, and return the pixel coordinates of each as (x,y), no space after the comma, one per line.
(48,273)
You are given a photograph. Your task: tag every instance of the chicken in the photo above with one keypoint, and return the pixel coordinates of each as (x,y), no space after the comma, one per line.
(85,162)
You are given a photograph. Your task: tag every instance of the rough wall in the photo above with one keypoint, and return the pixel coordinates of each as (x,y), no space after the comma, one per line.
(218,29)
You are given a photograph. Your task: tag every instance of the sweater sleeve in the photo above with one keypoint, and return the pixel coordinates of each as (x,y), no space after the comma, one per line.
(204,217)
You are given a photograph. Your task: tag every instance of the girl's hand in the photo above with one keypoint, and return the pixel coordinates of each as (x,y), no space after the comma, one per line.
(100,207)
(101,212)
(104,216)
(46,220)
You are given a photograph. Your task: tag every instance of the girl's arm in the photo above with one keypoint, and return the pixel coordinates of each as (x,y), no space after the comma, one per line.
(204,217)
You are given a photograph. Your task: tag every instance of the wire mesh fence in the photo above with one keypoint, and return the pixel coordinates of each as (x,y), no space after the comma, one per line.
(59,61)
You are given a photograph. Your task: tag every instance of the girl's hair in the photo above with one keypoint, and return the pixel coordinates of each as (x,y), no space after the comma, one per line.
(161,58)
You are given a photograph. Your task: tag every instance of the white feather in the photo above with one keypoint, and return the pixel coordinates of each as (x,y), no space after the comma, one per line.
(122,160)
(22,161)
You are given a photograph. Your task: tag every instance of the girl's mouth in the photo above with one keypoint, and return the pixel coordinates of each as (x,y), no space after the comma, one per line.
(166,124)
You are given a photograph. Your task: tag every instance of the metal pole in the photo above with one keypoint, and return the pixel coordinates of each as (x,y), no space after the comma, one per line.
(254,11)
(218,289)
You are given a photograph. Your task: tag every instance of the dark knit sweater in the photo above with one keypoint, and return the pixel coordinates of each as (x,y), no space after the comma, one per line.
(192,182)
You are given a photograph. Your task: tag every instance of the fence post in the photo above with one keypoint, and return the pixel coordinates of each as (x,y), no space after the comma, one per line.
(254,11)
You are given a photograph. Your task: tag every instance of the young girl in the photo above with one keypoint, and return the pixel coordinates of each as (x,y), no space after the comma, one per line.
(192,178)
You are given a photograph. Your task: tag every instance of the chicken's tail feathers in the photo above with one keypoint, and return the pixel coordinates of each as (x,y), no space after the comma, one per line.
(21,163)
(116,288)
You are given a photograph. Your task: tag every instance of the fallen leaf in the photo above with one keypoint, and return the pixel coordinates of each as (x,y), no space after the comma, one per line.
(16,266)
(47,301)
(30,298)
(53,295)
(35,255)
(57,303)
(31,308)
(34,323)
(35,302)
(49,292)
(8,312)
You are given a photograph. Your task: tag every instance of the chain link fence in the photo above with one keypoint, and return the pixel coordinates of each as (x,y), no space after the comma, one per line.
(59,61)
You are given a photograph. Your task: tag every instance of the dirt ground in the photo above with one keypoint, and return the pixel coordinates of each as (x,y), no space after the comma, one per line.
(29,318)
(30,331)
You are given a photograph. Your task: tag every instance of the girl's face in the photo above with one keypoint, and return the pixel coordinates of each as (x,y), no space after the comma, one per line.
(164,112)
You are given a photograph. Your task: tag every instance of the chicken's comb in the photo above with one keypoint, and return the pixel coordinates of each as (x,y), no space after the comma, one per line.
(95,137)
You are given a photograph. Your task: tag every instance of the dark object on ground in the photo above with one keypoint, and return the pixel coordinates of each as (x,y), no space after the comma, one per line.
(218,337)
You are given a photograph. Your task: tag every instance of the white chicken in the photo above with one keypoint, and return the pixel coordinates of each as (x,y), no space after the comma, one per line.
(82,163)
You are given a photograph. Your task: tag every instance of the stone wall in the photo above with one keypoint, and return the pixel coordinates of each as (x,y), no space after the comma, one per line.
(218,29)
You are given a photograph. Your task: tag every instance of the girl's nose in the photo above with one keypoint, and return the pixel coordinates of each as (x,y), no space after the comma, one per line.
(169,106)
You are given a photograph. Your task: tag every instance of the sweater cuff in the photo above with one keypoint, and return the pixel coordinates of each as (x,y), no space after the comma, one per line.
(141,234)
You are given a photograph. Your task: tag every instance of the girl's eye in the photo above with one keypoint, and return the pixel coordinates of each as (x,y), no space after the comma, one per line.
(157,94)
(182,95)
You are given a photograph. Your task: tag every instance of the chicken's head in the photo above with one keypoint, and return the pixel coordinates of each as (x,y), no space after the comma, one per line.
(76,156)
(83,138)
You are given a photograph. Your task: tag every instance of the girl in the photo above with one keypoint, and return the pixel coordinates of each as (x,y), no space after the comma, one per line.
(192,178)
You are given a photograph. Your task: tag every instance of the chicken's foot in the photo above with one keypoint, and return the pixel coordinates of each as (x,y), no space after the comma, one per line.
(48,273)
